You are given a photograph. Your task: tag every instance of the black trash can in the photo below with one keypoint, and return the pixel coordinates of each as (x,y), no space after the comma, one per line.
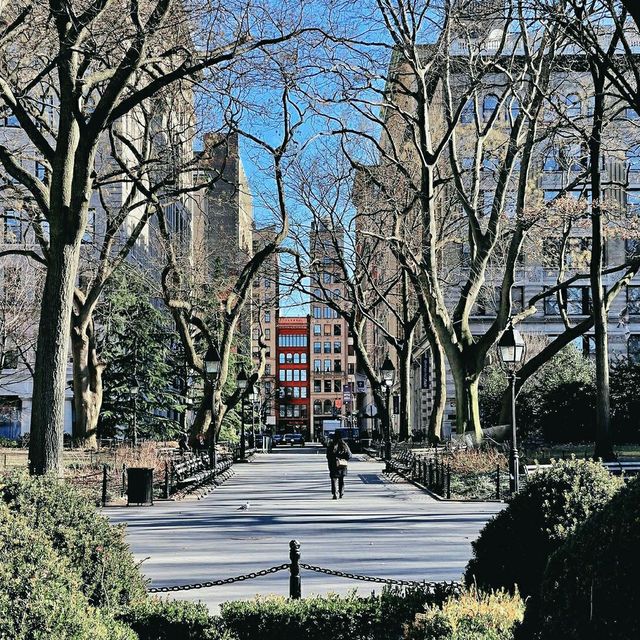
(139,485)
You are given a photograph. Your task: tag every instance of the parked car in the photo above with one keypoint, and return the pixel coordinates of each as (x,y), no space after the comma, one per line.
(277,439)
(294,438)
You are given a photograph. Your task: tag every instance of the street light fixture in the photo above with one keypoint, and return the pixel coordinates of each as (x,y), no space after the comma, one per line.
(511,351)
(242,381)
(388,375)
(135,390)
(212,362)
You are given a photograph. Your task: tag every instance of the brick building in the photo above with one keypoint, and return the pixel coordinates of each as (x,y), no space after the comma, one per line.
(293,395)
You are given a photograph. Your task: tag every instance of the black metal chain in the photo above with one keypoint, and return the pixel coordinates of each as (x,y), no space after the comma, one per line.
(217,583)
(402,583)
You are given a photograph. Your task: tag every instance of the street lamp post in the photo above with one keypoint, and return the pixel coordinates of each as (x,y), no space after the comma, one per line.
(135,390)
(255,399)
(212,371)
(511,351)
(388,375)
(242,381)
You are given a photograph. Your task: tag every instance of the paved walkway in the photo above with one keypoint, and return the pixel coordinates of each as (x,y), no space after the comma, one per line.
(379,528)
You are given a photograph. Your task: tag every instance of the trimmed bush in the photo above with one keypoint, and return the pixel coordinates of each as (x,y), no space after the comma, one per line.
(109,575)
(472,616)
(590,587)
(514,546)
(41,596)
(376,617)
(157,619)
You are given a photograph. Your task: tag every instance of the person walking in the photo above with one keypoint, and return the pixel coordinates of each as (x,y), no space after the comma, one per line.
(338,455)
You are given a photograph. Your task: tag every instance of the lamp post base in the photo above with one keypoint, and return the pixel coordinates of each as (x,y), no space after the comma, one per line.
(514,471)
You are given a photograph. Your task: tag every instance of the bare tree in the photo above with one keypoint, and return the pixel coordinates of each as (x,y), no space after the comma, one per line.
(70,70)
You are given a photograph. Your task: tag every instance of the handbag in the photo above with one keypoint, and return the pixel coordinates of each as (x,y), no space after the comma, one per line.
(341,463)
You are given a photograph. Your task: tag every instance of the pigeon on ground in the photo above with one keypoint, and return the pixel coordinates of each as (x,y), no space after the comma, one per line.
(243,507)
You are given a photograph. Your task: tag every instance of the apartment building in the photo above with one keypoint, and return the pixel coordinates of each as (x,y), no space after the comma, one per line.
(559,158)
(293,395)
(331,350)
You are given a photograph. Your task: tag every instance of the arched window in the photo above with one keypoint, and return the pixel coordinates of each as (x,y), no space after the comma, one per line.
(633,157)
(328,406)
(317,407)
(489,105)
(574,105)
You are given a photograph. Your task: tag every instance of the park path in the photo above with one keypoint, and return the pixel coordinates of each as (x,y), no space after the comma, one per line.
(379,528)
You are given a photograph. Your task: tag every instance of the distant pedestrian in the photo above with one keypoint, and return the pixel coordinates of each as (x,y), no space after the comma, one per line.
(200,445)
(338,455)
(182,443)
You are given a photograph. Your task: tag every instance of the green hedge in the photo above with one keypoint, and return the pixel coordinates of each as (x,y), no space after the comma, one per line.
(514,546)
(96,549)
(40,593)
(352,617)
(472,616)
(591,584)
(158,619)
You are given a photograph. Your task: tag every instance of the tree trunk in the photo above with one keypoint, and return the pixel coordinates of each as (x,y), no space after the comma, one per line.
(87,384)
(467,402)
(439,391)
(50,379)
(404,366)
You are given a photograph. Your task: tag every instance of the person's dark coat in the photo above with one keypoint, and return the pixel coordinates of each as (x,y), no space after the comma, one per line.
(337,450)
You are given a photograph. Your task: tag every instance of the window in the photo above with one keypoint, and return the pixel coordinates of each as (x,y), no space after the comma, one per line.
(550,195)
(317,386)
(327,329)
(296,358)
(296,392)
(303,375)
(267,316)
(296,410)
(327,386)
(317,407)
(281,358)
(267,334)
(40,171)
(633,202)
(317,347)
(517,299)
(633,299)
(12,226)
(289,358)
(289,375)
(466,115)
(328,407)
(327,347)
(90,229)
(317,312)
(631,248)
(633,348)
(327,365)
(267,369)
(283,410)
(303,358)
(303,392)
(327,313)
(282,375)
(551,161)
(337,386)
(326,277)
(337,330)
(576,299)
(337,347)
(317,366)
(633,158)
(296,375)
(574,106)
(337,366)
(317,330)
(489,105)
(267,283)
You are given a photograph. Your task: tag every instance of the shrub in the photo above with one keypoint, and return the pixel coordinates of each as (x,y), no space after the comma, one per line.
(514,545)
(590,587)
(97,550)
(472,616)
(41,597)
(157,619)
(376,617)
